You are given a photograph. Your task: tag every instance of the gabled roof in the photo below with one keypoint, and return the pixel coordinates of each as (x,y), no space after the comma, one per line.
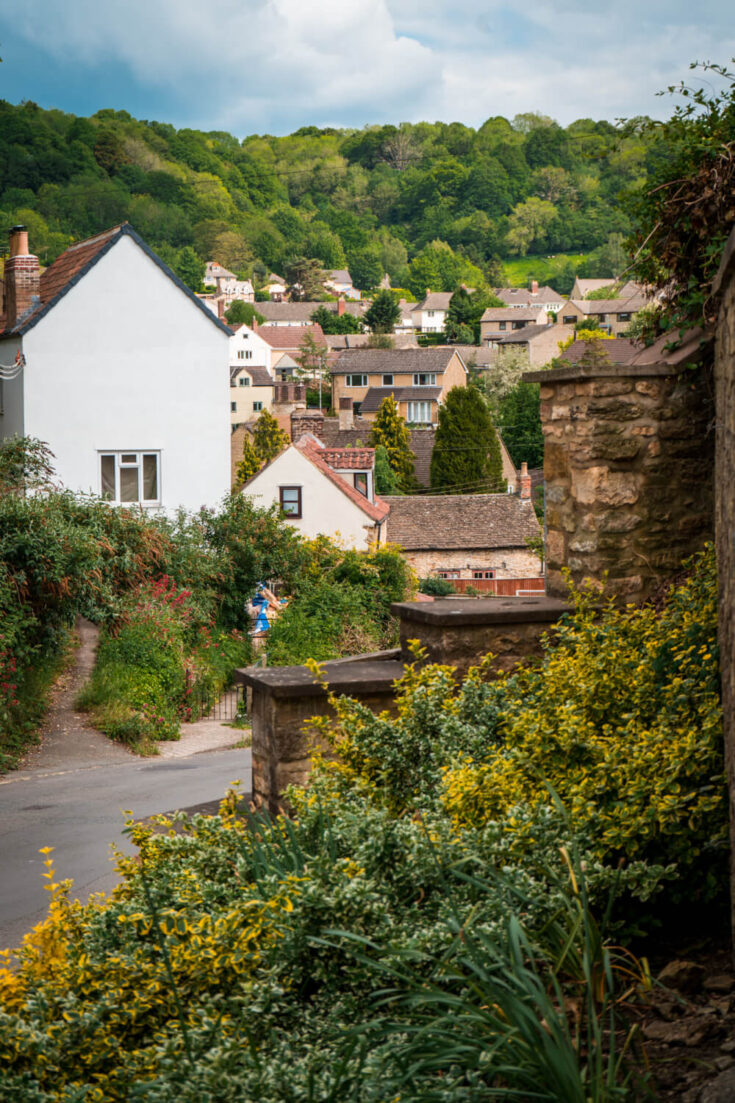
(285,361)
(522,336)
(610,306)
(435,300)
(376,395)
(73,264)
(619,350)
(514,296)
(512,314)
(377,510)
(261,377)
(302,311)
(289,337)
(450,522)
(421,441)
(340,275)
(431,359)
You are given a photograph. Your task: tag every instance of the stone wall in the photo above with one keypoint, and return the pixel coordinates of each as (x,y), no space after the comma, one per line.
(629,457)
(506,562)
(725,515)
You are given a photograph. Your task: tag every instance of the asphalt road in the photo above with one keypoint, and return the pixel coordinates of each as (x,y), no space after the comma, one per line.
(79,811)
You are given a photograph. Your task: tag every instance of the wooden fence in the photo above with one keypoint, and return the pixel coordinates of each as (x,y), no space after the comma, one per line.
(500,587)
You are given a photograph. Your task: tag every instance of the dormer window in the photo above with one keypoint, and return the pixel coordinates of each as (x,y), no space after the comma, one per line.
(361,482)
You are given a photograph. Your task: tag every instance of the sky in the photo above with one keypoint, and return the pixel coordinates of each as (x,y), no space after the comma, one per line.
(271,66)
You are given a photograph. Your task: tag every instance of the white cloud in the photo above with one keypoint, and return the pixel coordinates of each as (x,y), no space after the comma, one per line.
(270,65)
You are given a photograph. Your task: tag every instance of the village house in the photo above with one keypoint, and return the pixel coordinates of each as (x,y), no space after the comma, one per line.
(405,323)
(430,314)
(537,344)
(139,419)
(339,282)
(227,285)
(287,340)
(275,285)
(497,321)
(419,379)
(468,537)
(329,491)
(251,392)
(584,287)
(612,315)
(532,296)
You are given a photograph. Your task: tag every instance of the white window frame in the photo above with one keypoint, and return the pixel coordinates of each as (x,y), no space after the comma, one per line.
(350,380)
(428,377)
(243,381)
(136,462)
(420,407)
(257,407)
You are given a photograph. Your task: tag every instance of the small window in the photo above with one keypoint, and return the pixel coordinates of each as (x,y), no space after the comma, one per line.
(429,313)
(502,325)
(130,477)
(387,380)
(361,482)
(625,316)
(244,381)
(518,325)
(257,407)
(290,500)
(233,407)
(483,574)
(424,379)
(448,574)
(356,381)
(569,319)
(601,317)
(240,354)
(419,413)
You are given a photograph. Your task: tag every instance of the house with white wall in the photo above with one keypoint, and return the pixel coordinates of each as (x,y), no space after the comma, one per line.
(430,314)
(329,491)
(251,392)
(124,373)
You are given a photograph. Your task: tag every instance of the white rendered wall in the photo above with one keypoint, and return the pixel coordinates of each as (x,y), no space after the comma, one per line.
(324,507)
(126,361)
(246,339)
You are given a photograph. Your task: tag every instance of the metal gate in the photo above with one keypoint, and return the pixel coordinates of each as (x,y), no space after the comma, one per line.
(230,706)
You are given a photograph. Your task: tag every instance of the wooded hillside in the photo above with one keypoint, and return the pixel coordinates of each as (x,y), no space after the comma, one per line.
(430,203)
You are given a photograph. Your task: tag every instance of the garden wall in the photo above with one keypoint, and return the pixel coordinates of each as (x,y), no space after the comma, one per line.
(629,458)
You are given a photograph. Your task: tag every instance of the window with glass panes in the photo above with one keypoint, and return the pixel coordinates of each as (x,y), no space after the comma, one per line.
(290,500)
(130,477)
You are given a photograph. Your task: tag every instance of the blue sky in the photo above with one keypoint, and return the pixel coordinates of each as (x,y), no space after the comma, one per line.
(270,66)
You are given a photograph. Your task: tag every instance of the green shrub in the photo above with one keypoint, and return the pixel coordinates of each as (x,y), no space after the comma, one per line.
(436,587)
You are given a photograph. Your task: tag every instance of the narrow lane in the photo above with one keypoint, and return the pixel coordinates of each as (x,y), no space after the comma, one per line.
(80,812)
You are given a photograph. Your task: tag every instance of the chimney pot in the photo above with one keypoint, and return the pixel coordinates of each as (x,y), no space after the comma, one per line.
(534,287)
(340,306)
(18,241)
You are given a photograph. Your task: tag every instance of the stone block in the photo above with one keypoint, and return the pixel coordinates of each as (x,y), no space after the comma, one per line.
(614,411)
(599,485)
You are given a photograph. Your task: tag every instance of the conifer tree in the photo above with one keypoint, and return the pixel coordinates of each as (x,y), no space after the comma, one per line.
(250,464)
(466,457)
(389,429)
(268,437)
(386,480)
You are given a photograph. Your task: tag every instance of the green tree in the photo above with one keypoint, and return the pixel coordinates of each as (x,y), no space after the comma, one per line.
(389,430)
(241,312)
(528,224)
(332,322)
(383,313)
(268,437)
(366,268)
(250,464)
(466,457)
(386,480)
(187,265)
(519,422)
(312,361)
(305,279)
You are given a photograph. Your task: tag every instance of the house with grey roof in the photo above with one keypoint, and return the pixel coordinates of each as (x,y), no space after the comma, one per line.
(429,316)
(612,315)
(532,296)
(299,313)
(497,321)
(471,537)
(539,344)
(417,378)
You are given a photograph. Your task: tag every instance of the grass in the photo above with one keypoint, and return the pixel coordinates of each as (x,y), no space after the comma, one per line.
(520,270)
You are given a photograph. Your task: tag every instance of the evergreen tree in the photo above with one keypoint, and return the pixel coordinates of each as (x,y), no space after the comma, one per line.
(519,420)
(332,322)
(384,313)
(389,429)
(268,437)
(250,464)
(466,457)
(386,480)
(242,312)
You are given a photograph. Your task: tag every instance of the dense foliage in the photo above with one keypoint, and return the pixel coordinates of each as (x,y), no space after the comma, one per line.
(390,431)
(438,213)
(422,929)
(466,457)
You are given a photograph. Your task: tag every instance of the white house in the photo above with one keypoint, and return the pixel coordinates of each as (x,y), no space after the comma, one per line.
(226,284)
(324,490)
(430,314)
(339,282)
(124,372)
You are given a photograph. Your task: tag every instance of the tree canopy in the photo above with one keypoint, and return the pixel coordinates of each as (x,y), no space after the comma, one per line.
(389,430)
(466,457)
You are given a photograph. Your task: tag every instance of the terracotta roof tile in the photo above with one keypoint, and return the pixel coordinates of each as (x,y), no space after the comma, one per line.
(421,441)
(377,510)
(289,337)
(448,522)
(349,459)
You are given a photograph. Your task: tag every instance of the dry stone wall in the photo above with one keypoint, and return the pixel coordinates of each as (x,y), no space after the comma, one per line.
(629,455)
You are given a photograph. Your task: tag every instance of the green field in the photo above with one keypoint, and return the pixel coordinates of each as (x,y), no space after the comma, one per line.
(545,269)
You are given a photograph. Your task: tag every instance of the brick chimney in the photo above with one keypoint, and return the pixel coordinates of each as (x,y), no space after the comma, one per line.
(534,287)
(22,278)
(346,415)
(525,481)
(306,421)
(340,306)
(220,308)
(254,323)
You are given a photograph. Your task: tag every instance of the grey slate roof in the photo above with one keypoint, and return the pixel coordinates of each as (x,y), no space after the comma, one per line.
(261,377)
(450,522)
(511,314)
(421,441)
(514,296)
(618,349)
(302,312)
(610,306)
(435,300)
(431,359)
(372,400)
(521,336)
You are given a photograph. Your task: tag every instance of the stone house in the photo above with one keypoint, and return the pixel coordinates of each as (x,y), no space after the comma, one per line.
(612,315)
(418,378)
(329,491)
(498,321)
(532,296)
(471,537)
(251,392)
(134,411)
(538,344)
